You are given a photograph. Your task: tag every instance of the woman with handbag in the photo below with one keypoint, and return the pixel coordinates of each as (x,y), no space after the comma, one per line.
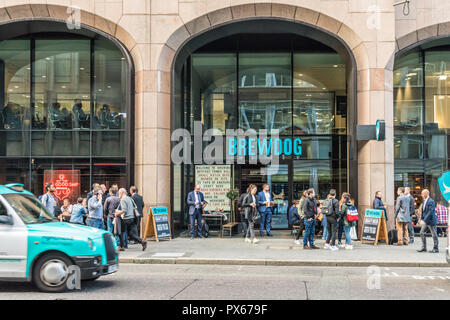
(250,206)
(347,209)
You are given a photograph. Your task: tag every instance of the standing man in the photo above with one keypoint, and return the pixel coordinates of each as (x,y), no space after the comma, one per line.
(412,210)
(48,199)
(428,220)
(195,202)
(332,217)
(95,187)
(402,217)
(95,209)
(110,207)
(104,193)
(265,202)
(139,201)
(378,203)
(128,221)
(310,210)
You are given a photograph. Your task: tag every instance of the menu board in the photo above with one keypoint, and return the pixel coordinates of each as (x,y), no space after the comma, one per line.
(374,227)
(215,182)
(161,225)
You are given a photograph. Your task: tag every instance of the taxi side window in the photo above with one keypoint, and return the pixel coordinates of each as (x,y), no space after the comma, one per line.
(3,211)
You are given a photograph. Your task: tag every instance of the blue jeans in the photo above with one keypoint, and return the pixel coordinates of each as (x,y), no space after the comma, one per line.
(340,229)
(197,215)
(96,223)
(310,229)
(348,238)
(109,223)
(266,217)
(325,227)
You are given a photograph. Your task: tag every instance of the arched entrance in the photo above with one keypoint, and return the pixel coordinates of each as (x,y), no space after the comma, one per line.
(268,73)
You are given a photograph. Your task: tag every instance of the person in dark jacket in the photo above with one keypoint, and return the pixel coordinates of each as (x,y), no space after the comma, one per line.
(428,221)
(412,210)
(95,187)
(310,210)
(242,212)
(378,203)
(250,205)
(346,206)
(332,218)
(139,201)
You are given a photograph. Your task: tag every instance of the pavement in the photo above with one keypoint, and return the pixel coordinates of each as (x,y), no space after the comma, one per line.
(280,250)
(228,283)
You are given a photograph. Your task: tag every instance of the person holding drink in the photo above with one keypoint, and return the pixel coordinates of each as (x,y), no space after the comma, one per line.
(265,205)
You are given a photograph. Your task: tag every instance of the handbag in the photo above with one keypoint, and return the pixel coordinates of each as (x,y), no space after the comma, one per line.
(137,214)
(256,216)
(353,234)
(352,214)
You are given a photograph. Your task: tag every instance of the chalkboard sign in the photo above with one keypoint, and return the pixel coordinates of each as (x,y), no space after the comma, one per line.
(158,224)
(374,227)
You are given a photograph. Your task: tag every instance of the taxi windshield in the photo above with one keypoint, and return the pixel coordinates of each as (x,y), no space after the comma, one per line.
(29,208)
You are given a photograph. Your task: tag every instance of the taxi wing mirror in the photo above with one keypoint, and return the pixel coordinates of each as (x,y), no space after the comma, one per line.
(6,220)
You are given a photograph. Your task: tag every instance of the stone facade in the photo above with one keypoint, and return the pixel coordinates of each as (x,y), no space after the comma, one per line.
(153,31)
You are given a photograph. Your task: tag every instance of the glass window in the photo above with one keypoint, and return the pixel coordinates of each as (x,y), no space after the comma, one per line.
(76,176)
(14,170)
(437,91)
(29,209)
(62,84)
(110,171)
(318,77)
(408,98)
(265,92)
(15,84)
(110,76)
(213,90)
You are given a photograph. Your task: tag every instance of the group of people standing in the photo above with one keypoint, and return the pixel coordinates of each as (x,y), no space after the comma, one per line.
(114,211)
(305,214)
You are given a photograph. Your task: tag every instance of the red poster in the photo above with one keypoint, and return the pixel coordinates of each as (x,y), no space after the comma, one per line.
(66,183)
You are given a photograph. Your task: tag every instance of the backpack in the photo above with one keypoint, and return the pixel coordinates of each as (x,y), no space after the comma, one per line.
(352,214)
(326,207)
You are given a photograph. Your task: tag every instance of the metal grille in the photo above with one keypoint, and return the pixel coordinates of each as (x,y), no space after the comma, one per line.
(109,247)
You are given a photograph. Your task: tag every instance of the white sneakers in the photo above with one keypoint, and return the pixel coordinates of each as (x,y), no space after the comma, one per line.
(341,245)
(348,247)
(327,246)
(247,240)
(255,241)
(297,242)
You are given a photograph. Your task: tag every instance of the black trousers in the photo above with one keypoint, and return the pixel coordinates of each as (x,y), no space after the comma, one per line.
(244,223)
(302,227)
(332,231)
(129,226)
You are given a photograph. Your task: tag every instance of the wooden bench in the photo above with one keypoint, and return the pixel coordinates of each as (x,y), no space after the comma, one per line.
(295,229)
(229,227)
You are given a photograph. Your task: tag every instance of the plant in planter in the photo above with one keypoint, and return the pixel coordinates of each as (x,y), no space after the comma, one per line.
(233,194)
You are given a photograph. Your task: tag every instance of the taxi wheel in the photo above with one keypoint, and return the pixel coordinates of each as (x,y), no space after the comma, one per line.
(51,272)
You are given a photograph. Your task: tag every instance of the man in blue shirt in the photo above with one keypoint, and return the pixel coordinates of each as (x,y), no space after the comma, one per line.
(265,202)
(48,199)
(95,209)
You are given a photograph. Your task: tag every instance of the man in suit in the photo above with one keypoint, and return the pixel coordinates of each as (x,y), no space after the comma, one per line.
(196,202)
(428,221)
(139,201)
(265,204)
